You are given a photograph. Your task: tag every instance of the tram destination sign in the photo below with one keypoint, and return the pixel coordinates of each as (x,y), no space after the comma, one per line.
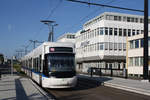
(60,49)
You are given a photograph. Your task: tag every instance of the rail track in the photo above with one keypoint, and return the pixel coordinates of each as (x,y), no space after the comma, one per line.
(93,90)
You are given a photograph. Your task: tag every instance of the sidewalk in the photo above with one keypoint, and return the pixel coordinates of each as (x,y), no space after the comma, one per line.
(19,88)
(136,86)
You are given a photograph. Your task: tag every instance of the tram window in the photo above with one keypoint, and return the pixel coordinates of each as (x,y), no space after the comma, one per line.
(60,61)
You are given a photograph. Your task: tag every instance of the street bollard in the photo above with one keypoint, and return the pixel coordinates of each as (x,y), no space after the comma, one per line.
(149,76)
(111,72)
(100,72)
(0,75)
(125,73)
(91,72)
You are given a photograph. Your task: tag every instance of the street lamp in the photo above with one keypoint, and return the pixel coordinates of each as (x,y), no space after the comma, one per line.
(51,28)
(52,33)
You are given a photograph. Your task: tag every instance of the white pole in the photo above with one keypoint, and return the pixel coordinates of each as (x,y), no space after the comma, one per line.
(12,66)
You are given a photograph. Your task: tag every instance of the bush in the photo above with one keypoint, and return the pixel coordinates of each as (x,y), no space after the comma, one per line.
(17,67)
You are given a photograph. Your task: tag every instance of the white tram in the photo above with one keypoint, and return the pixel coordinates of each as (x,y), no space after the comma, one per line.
(52,65)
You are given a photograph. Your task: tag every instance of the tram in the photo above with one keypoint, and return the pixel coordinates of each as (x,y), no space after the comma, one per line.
(51,65)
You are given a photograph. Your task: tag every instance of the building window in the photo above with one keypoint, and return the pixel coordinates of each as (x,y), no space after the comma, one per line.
(131,44)
(120,32)
(124,18)
(136,43)
(106,31)
(101,46)
(98,31)
(110,31)
(115,46)
(133,32)
(106,45)
(142,42)
(141,61)
(129,32)
(95,33)
(115,17)
(132,19)
(120,46)
(138,32)
(128,19)
(119,18)
(124,46)
(110,46)
(124,32)
(115,31)
(137,61)
(142,31)
(109,17)
(101,31)
(141,20)
(136,20)
(130,61)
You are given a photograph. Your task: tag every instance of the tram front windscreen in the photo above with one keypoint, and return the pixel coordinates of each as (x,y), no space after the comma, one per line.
(61,64)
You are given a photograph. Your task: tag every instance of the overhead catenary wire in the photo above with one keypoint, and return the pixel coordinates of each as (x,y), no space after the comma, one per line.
(49,15)
(88,15)
(109,6)
(54,9)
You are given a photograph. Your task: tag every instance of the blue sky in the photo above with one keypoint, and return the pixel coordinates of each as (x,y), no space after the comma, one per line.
(20,19)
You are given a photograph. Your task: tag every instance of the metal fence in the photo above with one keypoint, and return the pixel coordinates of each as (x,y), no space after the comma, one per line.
(5,69)
(108,72)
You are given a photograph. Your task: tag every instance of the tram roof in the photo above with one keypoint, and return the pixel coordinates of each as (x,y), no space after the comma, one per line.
(39,49)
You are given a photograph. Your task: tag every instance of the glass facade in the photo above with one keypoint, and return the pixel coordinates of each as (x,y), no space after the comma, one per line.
(108,31)
(135,61)
(138,43)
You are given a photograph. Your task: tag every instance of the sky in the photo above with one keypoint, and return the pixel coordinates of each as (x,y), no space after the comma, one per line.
(20,19)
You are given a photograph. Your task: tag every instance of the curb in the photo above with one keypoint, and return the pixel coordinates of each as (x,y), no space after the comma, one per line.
(48,96)
(131,89)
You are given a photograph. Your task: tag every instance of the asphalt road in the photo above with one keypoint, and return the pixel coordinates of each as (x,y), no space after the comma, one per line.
(83,91)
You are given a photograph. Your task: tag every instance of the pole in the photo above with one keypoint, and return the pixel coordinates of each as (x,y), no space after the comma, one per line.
(145,53)
(12,66)
(34,44)
(49,37)
(52,33)
(25,50)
